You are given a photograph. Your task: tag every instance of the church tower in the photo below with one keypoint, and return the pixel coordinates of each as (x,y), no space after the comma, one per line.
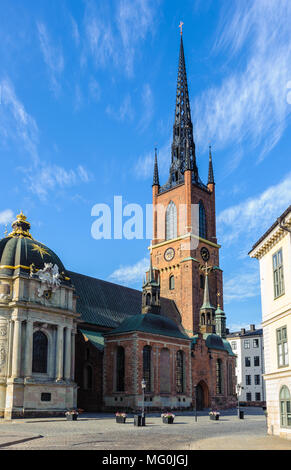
(184,227)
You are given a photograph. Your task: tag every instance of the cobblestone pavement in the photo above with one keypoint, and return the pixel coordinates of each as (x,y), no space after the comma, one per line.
(99,431)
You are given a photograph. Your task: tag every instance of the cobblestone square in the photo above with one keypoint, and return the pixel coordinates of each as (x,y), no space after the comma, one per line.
(100,431)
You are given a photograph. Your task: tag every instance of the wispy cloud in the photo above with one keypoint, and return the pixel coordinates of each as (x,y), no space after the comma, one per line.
(53,57)
(94,89)
(250,103)
(131,274)
(148,107)
(135,20)
(144,166)
(253,216)
(49,177)
(115,38)
(124,113)
(18,126)
(6,216)
(242,286)
(15,122)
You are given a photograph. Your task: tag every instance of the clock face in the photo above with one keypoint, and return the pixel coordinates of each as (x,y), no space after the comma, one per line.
(169,254)
(204,253)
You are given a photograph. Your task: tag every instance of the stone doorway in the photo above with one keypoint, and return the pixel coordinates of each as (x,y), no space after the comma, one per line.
(202,396)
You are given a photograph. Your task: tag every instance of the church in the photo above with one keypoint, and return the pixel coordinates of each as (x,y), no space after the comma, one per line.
(68,340)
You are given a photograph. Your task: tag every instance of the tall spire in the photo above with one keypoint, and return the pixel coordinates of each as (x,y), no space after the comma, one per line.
(210,170)
(156,181)
(206,298)
(183,128)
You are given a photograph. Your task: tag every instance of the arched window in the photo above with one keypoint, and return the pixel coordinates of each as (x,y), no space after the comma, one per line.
(171,221)
(171,283)
(40,352)
(202,221)
(147,367)
(120,369)
(180,371)
(165,385)
(88,378)
(285,407)
(148,299)
(230,382)
(218,377)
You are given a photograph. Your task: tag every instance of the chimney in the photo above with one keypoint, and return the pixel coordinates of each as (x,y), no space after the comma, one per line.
(252,327)
(243,331)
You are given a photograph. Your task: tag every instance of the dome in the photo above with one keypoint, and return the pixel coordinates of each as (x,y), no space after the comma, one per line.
(214,341)
(19,252)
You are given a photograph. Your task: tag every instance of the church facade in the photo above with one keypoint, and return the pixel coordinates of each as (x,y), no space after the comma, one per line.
(69,340)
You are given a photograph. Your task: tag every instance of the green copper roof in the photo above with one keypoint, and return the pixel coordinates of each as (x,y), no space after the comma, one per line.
(214,341)
(150,323)
(189,259)
(106,304)
(17,254)
(97,339)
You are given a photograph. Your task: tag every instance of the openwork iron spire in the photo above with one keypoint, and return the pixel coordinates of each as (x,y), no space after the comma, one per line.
(156,181)
(210,170)
(183,129)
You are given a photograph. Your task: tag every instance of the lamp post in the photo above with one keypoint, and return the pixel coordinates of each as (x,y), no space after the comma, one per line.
(195,392)
(143,386)
(239,387)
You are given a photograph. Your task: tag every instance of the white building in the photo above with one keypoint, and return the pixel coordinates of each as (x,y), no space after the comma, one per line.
(248,345)
(273,250)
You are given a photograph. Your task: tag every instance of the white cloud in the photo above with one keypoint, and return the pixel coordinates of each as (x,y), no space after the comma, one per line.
(6,216)
(53,57)
(135,20)
(148,107)
(250,103)
(115,38)
(49,177)
(75,30)
(16,124)
(144,167)
(94,89)
(242,286)
(254,215)
(131,273)
(15,121)
(124,112)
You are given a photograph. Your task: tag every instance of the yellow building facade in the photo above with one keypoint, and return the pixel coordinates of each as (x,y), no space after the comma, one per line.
(273,250)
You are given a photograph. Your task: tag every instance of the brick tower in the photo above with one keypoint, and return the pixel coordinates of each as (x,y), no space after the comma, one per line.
(181,247)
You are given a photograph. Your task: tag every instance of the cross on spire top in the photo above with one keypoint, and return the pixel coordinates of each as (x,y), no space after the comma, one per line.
(181,27)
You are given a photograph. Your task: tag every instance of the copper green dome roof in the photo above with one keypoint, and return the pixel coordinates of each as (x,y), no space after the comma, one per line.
(19,252)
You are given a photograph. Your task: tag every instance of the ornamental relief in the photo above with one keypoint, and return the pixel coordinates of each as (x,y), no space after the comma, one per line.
(2,354)
(3,331)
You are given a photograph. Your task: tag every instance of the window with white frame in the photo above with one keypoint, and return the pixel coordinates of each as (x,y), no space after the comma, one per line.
(256,343)
(282,347)
(247,344)
(278,275)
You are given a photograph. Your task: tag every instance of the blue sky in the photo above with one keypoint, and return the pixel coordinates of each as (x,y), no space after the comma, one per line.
(87,89)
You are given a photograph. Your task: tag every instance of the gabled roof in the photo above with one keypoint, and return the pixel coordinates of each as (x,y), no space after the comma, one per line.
(269,231)
(103,303)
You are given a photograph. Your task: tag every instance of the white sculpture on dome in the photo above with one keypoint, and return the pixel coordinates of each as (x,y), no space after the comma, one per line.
(49,277)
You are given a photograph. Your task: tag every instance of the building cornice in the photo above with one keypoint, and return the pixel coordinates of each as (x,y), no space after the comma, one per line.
(182,237)
(275,233)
